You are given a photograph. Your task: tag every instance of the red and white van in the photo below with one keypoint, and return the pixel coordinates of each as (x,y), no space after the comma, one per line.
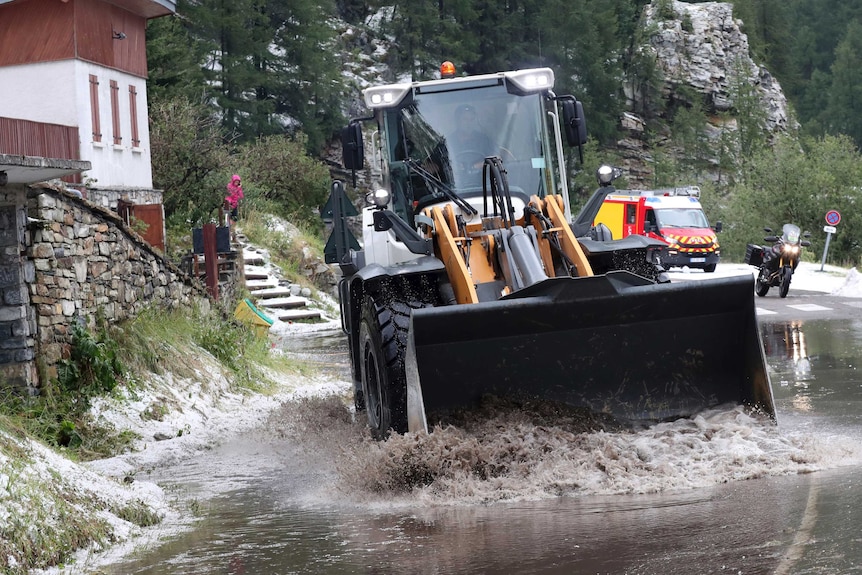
(674,216)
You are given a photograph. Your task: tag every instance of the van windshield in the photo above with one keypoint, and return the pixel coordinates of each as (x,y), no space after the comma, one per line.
(681,218)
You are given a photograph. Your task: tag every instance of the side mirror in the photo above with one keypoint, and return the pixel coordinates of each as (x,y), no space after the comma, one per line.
(718,227)
(767,230)
(806,234)
(352,150)
(574,123)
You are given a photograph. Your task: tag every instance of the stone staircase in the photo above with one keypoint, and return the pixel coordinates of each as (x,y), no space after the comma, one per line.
(275,296)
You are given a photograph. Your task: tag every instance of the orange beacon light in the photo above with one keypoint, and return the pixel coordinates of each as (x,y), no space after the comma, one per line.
(447,69)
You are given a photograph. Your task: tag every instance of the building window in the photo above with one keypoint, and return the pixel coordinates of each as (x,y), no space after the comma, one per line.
(115,112)
(133,115)
(94,108)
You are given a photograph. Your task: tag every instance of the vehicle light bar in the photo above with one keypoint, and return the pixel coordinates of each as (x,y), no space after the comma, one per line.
(385,96)
(692,191)
(532,79)
(529,80)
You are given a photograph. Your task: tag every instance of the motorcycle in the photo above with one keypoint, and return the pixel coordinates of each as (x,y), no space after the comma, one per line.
(776,264)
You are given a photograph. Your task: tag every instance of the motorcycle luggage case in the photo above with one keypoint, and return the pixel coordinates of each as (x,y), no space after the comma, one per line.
(753,255)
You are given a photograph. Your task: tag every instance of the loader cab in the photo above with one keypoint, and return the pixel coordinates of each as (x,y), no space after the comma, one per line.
(436,134)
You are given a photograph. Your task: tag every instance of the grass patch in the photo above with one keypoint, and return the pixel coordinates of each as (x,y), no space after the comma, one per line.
(138,513)
(100,362)
(58,420)
(59,416)
(43,522)
(160,341)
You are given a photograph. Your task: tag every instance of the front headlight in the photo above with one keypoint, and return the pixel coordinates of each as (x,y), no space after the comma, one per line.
(605,175)
(671,241)
(380,197)
(788,249)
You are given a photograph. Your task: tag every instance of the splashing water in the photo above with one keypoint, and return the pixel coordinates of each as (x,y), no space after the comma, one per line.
(502,454)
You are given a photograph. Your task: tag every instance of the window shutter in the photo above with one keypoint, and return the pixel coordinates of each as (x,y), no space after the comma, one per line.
(94,108)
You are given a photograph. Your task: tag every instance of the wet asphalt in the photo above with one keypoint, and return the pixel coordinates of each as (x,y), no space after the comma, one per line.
(803,305)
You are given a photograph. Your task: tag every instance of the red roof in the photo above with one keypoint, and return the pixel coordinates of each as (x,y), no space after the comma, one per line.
(145,8)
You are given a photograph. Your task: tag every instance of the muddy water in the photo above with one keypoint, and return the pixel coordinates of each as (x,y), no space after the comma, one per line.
(523,493)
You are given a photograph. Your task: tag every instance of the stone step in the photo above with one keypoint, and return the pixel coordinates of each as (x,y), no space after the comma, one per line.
(295,314)
(257,285)
(292,302)
(249,268)
(271,293)
(256,275)
(252,260)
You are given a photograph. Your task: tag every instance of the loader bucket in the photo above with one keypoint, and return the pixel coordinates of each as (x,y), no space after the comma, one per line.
(614,344)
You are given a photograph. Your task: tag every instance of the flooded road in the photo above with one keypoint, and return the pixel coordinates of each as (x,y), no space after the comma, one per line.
(723,494)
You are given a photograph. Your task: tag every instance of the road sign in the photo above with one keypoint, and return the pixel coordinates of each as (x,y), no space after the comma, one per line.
(832,218)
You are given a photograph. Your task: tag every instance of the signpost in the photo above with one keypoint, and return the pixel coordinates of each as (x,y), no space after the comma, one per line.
(832,219)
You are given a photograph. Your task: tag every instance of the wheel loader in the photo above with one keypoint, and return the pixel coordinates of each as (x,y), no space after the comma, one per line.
(473,279)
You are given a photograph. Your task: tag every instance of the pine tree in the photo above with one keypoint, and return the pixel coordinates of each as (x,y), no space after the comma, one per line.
(845,95)
(353,11)
(173,61)
(582,45)
(308,89)
(428,32)
(235,33)
(268,67)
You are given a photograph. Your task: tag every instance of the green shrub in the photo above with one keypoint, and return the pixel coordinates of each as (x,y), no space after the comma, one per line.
(59,414)
(93,367)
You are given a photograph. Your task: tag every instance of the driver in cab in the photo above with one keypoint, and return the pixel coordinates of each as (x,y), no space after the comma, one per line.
(469,145)
(457,159)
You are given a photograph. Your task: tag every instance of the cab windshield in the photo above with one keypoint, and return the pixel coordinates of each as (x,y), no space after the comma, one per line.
(448,134)
(681,218)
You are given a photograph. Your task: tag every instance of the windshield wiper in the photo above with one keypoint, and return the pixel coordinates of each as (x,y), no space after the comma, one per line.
(447,191)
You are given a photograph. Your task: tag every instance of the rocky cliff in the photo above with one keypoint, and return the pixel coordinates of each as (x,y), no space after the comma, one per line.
(701,58)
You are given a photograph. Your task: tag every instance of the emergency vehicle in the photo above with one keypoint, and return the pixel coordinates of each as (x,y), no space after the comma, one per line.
(673,215)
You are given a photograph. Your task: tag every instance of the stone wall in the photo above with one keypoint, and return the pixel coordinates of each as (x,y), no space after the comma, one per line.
(109,199)
(72,260)
(17,319)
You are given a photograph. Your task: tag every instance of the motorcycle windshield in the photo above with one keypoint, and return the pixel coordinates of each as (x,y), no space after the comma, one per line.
(790,234)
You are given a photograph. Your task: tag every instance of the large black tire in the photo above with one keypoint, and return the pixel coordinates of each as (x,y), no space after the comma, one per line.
(784,286)
(381,370)
(384,323)
(709,268)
